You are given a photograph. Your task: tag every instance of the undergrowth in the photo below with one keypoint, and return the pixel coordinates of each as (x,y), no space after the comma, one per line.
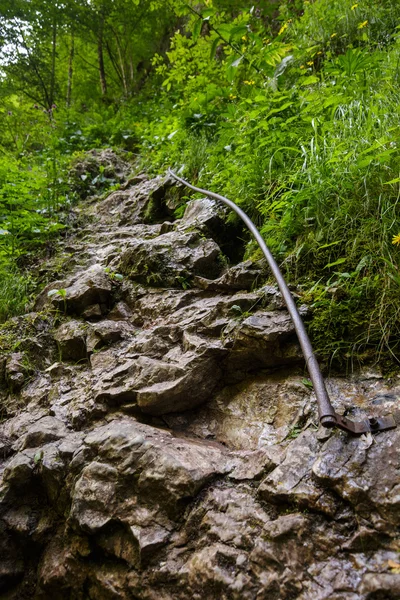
(295,117)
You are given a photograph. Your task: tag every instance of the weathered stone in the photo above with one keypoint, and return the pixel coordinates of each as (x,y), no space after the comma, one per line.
(94,497)
(150,539)
(170,259)
(46,429)
(120,312)
(71,340)
(153,472)
(243,276)
(259,340)
(135,180)
(255,413)
(184,379)
(92,313)
(105,332)
(364,476)
(57,369)
(381,585)
(91,287)
(16,371)
(141,202)
(19,470)
(291,481)
(204,214)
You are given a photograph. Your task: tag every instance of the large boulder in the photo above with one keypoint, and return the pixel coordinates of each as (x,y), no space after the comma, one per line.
(171,259)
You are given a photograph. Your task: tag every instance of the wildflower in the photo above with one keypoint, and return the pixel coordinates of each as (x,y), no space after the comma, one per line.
(244,38)
(396,239)
(249,82)
(283,28)
(302,67)
(318,53)
(362,25)
(333,35)
(232,97)
(9,113)
(354,7)
(310,63)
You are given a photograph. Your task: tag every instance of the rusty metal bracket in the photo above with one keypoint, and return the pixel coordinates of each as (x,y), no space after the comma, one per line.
(373,424)
(327,415)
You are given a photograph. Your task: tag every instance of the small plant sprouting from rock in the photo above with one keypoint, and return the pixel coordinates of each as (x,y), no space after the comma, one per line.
(113,275)
(239,312)
(62,293)
(38,460)
(183,282)
(307,383)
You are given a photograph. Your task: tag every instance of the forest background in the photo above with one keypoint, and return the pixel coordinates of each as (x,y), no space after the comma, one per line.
(290,108)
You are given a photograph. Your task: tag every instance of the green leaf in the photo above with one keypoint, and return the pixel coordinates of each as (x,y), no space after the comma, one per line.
(340,261)
(214,47)
(307,383)
(396,180)
(208,12)
(236,308)
(237,62)
(328,245)
(197,29)
(238,32)
(309,80)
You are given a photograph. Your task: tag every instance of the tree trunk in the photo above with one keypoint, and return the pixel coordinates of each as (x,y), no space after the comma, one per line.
(121,63)
(70,70)
(102,72)
(53,63)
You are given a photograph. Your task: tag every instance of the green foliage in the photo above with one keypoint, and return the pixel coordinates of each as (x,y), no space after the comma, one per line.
(113,275)
(290,108)
(306,144)
(15,291)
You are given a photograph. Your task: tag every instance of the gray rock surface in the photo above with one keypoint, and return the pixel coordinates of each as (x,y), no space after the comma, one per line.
(169,449)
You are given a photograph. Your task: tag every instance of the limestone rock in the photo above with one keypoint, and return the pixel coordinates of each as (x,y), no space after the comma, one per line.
(104,333)
(142,201)
(90,288)
(364,476)
(262,340)
(204,214)
(243,276)
(171,258)
(19,470)
(16,370)
(71,340)
(46,429)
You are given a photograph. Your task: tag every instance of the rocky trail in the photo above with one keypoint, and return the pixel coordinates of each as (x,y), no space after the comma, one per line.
(158,438)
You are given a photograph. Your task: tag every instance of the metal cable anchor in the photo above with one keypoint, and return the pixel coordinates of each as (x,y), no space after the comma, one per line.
(327,415)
